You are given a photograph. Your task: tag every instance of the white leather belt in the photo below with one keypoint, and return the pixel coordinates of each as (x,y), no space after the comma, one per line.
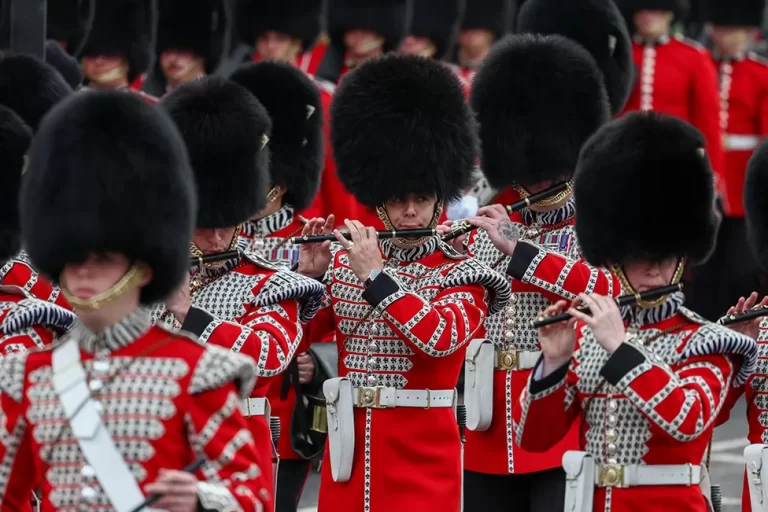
(384,398)
(512,360)
(633,475)
(255,407)
(741,142)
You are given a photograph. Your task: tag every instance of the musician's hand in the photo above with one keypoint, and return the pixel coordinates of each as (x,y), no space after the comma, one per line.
(180,302)
(749,328)
(306,368)
(178,490)
(458,242)
(315,258)
(604,320)
(557,340)
(363,250)
(500,229)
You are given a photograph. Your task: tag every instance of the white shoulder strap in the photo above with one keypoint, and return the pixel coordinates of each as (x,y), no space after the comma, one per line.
(98,447)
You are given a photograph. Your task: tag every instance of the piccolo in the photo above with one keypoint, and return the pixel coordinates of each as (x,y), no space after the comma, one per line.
(403,233)
(743,317)
(464,227)
(212,258)
(624,300)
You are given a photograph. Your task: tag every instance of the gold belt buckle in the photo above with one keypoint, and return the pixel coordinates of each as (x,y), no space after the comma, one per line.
(369,397)
(611,475)
(509,360)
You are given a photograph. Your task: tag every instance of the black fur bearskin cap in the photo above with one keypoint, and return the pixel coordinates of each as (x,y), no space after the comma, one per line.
(199,26)
(645,190)
(15,137)
(390,19)
(109,173)
(490,15)
(300,19)
(628,8)
(224,127)
(537,100)
(400,125)
(30,87)
(69,22)
(297,145)
(755,204)
(740,13)
(599,27)
(439,21)
(64,63)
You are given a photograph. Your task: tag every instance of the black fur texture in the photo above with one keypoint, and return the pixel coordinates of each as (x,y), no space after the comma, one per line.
(15,137)
(599,27)
(439,21)
(109,173)
(537,100)
(645,190)
(401,125)
(199,26)
(122,28)
(755,204)
(64,63)
(222,125)
(30,87)
(391,19)
(628,8)
(490,15)
(297,18)
(742,13)
(67,22)
(297,145)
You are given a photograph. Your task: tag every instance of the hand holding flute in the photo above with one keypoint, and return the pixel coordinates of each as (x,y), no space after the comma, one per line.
(314,259)
(746,315)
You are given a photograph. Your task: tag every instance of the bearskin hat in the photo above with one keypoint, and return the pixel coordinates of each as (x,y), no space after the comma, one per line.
(439,21)
(487,14)
(297,145)
(30,87)
(64,63)
(123,28)
(662,160)
(400,125)
(390,19)
(599,27)
(69,22)
(755,205)
(745,13)
(300,19)
(225,129)
(537,100)
(628,8)
(15,137)
(109,173)
(199,26)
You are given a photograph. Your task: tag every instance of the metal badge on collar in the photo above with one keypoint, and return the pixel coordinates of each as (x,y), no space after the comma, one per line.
(264,140)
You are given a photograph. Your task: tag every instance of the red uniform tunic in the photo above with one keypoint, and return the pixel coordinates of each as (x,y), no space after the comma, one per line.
(166,400)
(28,323)
(308,61)
(677,77)
(252,307)
(653,401)
(743,120)
(547,266)
(407,330)
(18,272)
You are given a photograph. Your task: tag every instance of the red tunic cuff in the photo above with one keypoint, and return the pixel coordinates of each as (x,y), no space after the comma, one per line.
(380,288)
(553,380)
(625,360)
(522,257)
(197,321)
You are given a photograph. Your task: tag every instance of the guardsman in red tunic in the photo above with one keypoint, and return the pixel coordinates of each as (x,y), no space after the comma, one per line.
(403,309)
(675,75)
(732,270)
(118,408)
(30,88)
(484,23)
(191,38)
(643,383)
(243,303)
(287,30)
(296,160)
(550,89)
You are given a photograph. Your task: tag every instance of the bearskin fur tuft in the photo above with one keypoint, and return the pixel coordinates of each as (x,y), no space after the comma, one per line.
(741,13)
(64,63)
(298,18)
(628,8)
(199,26)
(388,18)
(439,21)
(15,137)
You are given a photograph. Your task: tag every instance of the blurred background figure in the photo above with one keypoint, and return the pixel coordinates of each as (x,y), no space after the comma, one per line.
(484,23)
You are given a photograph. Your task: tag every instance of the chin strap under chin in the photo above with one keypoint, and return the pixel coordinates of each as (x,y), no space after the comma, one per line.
(630,290)
(131,279)
(381,211)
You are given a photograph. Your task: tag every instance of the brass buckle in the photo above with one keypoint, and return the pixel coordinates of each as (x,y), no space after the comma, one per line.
(369,397)
(611,475)
(509,360)
(429,399)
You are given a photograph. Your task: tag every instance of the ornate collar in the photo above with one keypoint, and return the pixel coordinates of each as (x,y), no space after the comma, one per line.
(114,337)
(645,316)
(270,224)
(561,214)
(226,266)
(409,253)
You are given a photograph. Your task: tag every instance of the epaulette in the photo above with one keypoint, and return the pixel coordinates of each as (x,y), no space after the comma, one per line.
(218,367)
(261,262)
(756,57)
(450,252)
(287,285)
(693,316)
(471,271)
(690,42)
(31,312)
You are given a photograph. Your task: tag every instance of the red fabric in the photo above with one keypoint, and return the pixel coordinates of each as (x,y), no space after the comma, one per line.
(756,392)
(19,273)
(684,85)
(747,114)
(201,418)
(33,338)
(152,100)
(138,83)
(308,61)
(506,197)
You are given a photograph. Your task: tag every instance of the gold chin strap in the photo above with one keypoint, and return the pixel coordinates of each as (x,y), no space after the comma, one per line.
(130,280)
(196,252)
(273,194)
(381,211)
(629,289)
(545,202)
(110,76)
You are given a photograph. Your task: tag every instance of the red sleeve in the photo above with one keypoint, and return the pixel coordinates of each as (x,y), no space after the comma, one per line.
(559,277)
(730,400)
(763,105)
(17,480)
(704,109)
(219,432)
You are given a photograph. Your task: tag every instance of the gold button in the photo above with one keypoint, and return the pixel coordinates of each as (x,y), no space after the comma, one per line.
(611,435)
(613,405)
(511,310)
(509,335)
(611,448)
(514,298)
(612,420)
(510,322)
